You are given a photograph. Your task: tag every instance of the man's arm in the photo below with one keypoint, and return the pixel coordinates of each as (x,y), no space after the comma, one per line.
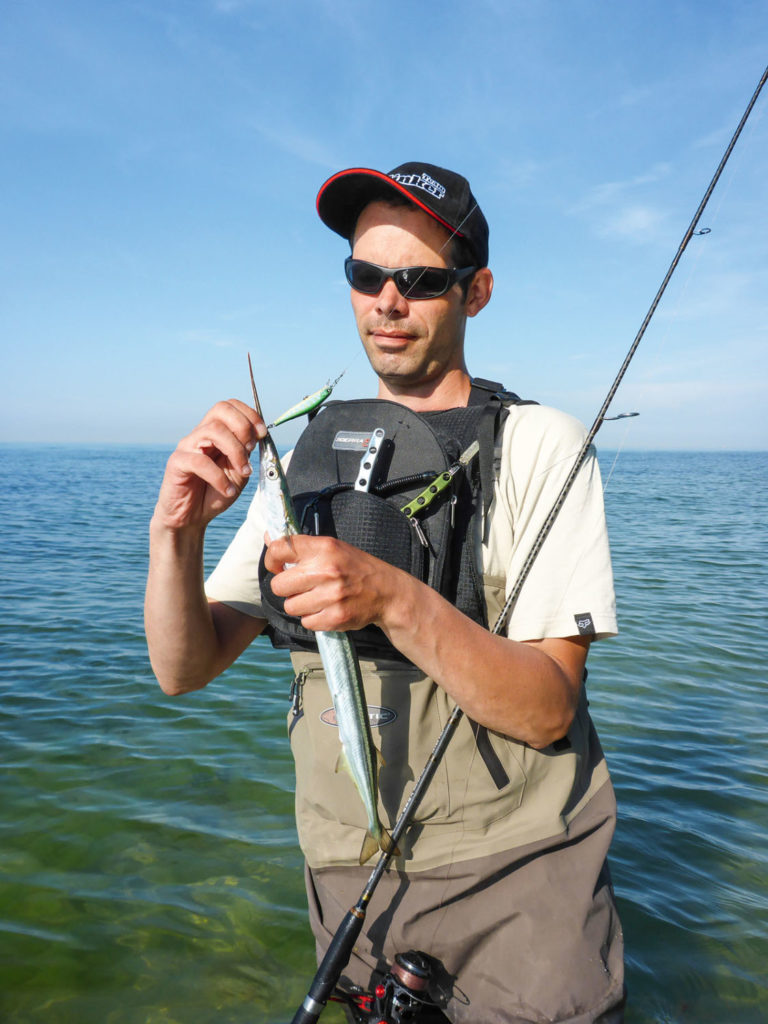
(190,639)
(525,690)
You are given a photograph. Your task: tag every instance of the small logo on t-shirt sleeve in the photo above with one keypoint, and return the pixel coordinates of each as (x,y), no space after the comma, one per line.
(585,624)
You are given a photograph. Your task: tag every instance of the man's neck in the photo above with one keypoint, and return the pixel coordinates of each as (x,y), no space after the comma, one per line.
(450,392)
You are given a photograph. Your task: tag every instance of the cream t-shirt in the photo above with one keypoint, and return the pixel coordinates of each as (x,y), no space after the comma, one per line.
(571,580)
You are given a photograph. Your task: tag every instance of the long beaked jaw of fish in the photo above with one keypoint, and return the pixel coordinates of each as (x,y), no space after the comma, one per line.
(359,757)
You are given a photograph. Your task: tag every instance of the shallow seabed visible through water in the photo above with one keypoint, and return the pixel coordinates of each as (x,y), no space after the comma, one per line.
(149,871)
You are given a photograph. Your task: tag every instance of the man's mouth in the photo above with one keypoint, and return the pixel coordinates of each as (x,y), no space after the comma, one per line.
(390,339)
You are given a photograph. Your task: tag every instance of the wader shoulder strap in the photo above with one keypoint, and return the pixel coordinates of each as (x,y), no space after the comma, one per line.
(496,399)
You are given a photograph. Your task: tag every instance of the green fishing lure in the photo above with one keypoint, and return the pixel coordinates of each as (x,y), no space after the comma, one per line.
(308,403)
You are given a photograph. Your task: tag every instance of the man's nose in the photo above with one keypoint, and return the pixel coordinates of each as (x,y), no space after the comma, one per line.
(389,301)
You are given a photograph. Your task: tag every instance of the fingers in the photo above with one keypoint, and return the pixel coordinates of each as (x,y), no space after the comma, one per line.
(257,423)
(224,439)
(310,557)
(201,464)
(281,553)
(326,583)
(233,427)
(210,466)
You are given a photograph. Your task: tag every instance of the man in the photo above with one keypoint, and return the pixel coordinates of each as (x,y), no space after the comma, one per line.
(502,879)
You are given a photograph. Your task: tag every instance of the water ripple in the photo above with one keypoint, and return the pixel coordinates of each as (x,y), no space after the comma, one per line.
(149,872)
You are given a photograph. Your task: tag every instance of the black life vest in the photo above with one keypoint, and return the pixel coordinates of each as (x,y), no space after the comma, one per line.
(435,544)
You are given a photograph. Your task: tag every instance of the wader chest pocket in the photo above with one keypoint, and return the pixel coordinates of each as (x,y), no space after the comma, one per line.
(433,541)
(373,525)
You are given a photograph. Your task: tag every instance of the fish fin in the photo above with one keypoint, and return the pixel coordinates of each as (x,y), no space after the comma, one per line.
(386,843)
(342,764)
(369,848)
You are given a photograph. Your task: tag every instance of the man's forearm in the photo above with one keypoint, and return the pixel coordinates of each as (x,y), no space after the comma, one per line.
(525,690)
(181,636)
(529,691)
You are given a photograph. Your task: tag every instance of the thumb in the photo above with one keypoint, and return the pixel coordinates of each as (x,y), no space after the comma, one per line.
(281,552)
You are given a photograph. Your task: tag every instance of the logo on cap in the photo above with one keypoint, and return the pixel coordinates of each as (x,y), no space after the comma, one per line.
(422,181)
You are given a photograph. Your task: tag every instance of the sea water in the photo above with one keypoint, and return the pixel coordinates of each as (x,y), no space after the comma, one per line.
(149,870)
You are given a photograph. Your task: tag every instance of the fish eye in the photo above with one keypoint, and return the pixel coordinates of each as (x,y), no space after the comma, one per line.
(271,473)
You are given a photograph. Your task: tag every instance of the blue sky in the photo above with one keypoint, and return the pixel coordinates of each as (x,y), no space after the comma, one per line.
(160,160)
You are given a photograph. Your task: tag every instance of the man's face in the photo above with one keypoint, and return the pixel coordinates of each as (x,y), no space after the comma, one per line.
(410,343)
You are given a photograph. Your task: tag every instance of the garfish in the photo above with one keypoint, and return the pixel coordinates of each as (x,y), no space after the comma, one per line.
(358,756)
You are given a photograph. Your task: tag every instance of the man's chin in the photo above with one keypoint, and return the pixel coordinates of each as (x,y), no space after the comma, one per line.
(394,370)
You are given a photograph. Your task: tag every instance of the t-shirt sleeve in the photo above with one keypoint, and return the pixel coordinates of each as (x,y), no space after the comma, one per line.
(235,580)
(569,590)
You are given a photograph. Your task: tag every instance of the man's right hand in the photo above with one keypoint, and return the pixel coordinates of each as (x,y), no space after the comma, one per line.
(210,467)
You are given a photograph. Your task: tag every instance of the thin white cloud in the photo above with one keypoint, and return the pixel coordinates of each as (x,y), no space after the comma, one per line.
(632,223)
(517,174)
(632,97)
(312,149)
(642,95)
(611,191)
(731,291)
(677,393)
(718,137)
(616,211)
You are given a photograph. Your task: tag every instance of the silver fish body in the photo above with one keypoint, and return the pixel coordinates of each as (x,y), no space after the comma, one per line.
(358,755)
(279,513)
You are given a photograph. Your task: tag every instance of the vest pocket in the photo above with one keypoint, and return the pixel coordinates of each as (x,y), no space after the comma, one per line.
(486,778)
(472,787)
(373,525)
(407,713)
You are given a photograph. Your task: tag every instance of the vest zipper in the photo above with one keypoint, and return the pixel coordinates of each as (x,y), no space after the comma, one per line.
(297,692)
(419,531)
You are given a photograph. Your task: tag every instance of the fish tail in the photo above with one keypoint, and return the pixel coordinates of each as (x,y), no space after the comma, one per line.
(369,848)
(387,845)
(372,845)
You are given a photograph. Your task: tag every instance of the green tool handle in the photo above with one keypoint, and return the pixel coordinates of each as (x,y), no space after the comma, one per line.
(428,494)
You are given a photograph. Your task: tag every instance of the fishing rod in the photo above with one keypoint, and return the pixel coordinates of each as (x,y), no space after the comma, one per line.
(340,949)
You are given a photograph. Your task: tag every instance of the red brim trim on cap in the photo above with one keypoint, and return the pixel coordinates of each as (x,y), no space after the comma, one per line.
(385,179)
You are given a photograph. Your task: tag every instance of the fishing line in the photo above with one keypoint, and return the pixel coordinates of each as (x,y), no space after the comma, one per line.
(675,312)
(455,232)
(500,623)
(442,906)
(341,946)
(624,367)
(619,450)
(661,345)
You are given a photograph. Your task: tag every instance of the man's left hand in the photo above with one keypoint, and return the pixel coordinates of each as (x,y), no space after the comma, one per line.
(328,584)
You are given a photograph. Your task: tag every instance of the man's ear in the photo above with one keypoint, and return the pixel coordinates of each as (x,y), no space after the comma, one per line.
(479,292)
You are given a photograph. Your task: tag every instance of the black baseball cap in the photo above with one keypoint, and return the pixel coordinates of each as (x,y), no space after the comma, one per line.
(442,194)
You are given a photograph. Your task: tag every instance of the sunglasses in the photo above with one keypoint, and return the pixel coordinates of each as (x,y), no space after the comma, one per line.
(411,282)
